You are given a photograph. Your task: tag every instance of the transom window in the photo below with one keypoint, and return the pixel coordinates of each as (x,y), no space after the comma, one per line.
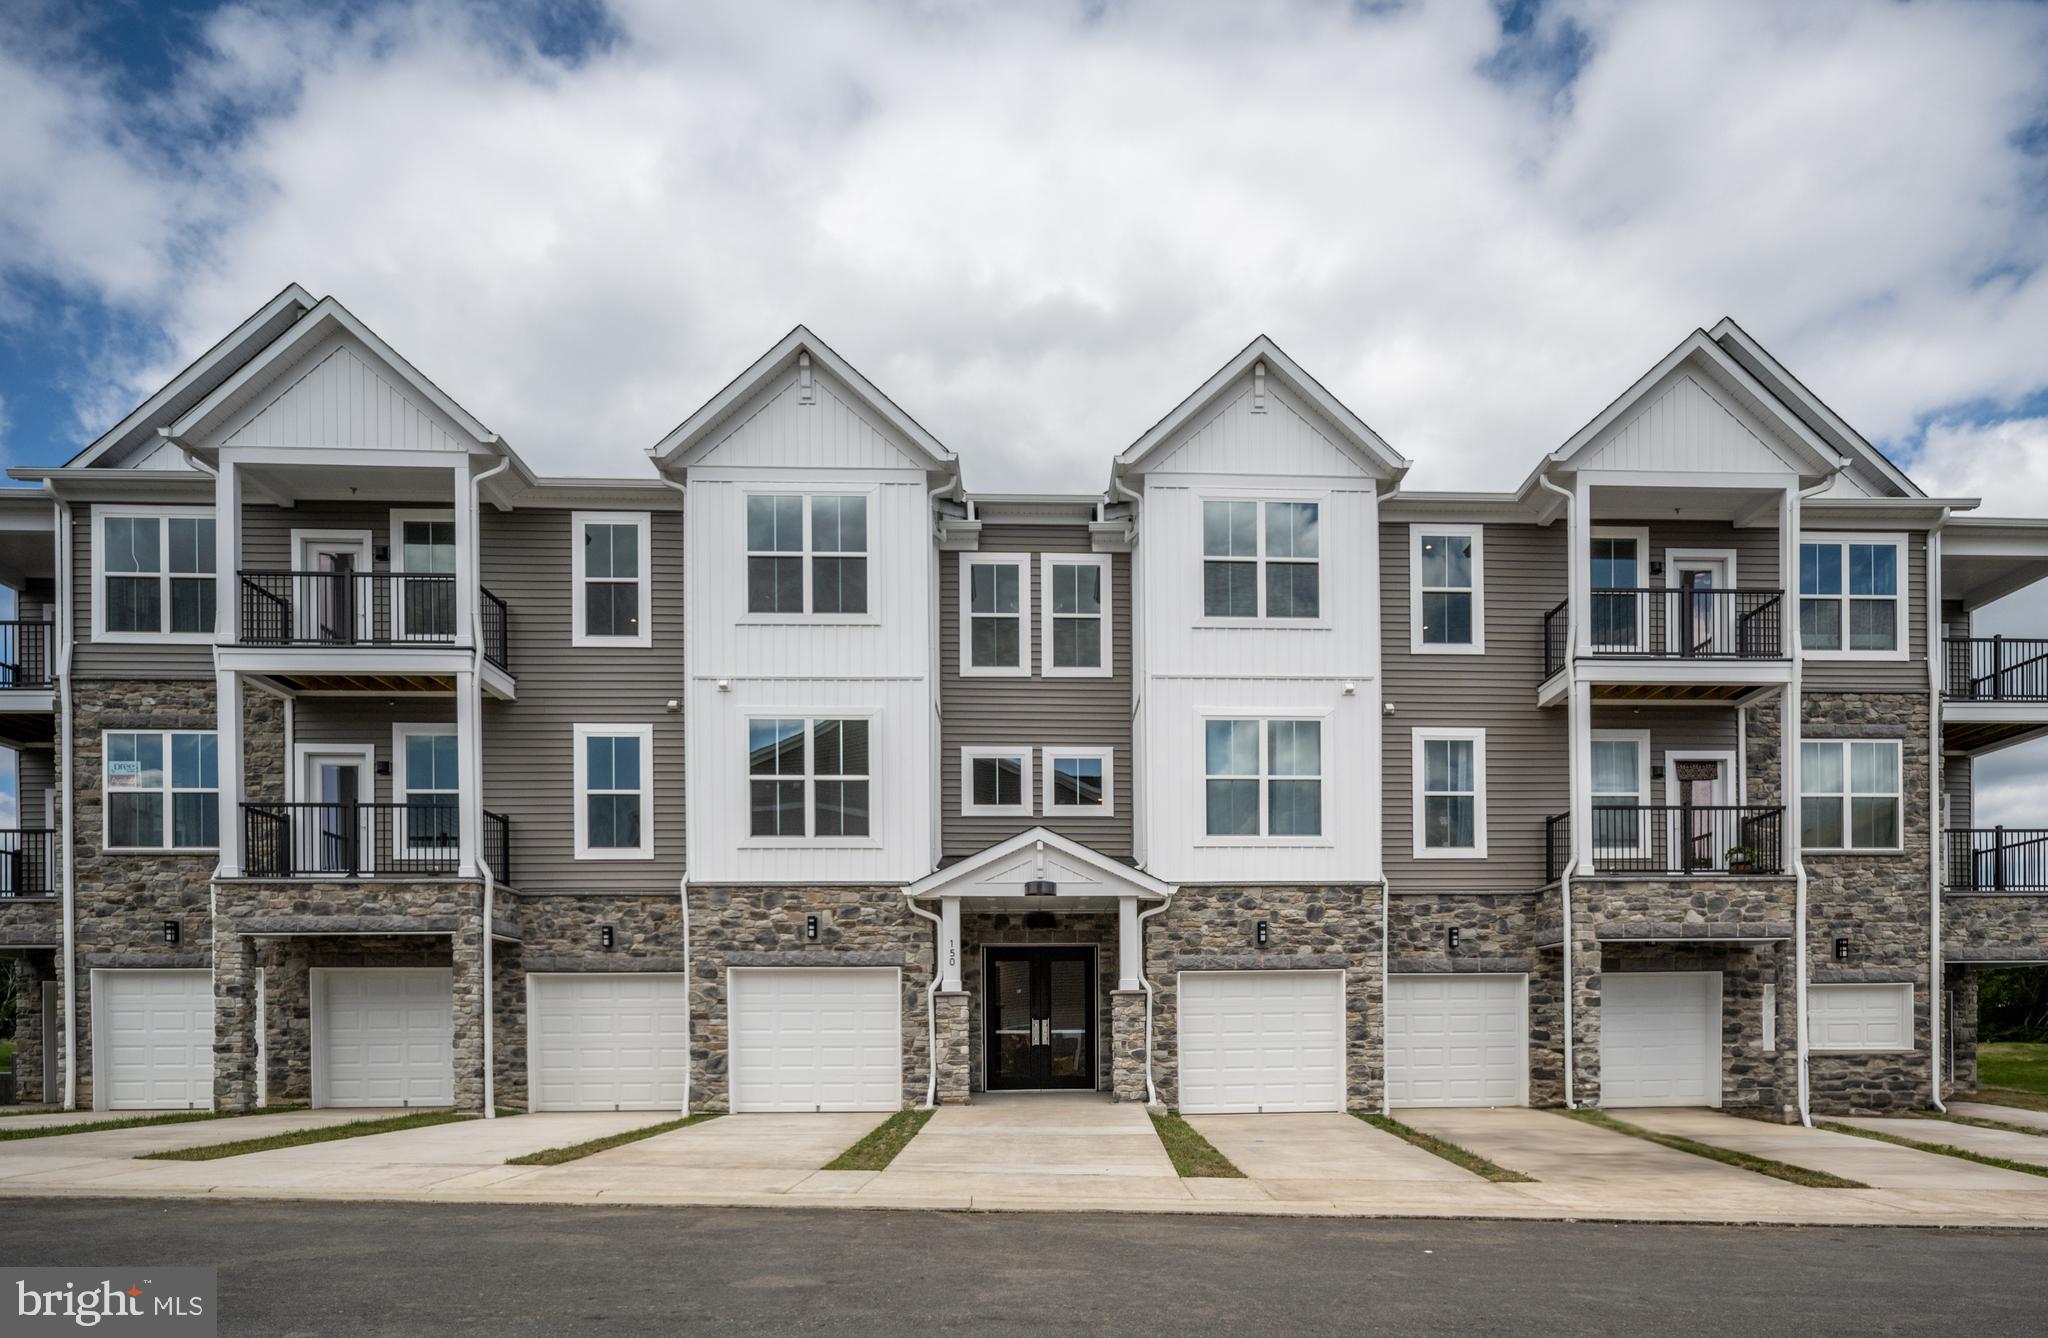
(156,575)
(613,587)
(1261,559)
(995,619)
(1263,778)
(1450,793)
(614,792)
(997,781)
(827,576)
(808,778)
(1849,794)
(1077,598)
(1078,782)
(162,790)
(1445,595)
(1849,601)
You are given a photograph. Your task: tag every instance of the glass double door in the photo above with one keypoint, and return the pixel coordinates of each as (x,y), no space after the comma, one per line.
(1040,1014)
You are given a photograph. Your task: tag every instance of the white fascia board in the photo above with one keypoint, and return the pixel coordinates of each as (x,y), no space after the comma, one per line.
(1677,671)
(1114,873)
(289,661)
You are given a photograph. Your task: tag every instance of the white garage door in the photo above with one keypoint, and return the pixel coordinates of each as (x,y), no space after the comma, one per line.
(156,1039)
(1660,1039)
(1261,1041)
(1457,1040)
(610,1041)
(384,1037)
(829,1038)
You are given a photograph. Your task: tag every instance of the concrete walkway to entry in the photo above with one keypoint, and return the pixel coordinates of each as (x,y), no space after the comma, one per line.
(1069,1147)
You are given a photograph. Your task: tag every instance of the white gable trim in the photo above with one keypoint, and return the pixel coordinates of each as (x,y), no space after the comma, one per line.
(1788,388)
(1003,869)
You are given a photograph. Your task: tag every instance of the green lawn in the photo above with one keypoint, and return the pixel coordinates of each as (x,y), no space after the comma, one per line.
(1192,1155)
(880,1147)
(2013,1066)
(6,1054)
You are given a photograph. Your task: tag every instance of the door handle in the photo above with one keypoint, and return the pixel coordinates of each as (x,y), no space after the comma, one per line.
(1041,1031)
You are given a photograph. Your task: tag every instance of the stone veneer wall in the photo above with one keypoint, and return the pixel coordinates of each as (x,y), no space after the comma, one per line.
(979,930)
(1961,1036)
(1498,933)
(1210,928)
(27,974)
(764,927)
(1879,903)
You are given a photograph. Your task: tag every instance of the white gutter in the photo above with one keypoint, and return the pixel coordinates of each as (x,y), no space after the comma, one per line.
(70,908)
(1145,980)
(1571,863)
(1935,992)
(476,751)
(931,1003)
(683,895)
(1791,727)
(1386,898)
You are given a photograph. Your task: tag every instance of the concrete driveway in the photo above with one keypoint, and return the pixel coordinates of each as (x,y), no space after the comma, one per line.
(1334,1157)
(1078,1148)
(2032,1149)
(1879,1165)
(731,1155)
(109,1158)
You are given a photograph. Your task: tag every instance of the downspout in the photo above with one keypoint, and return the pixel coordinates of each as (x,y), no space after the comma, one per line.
(931,1003)
(683,899)
(70,909)
(1791,728)
(489,1000)
(1935,991)
(1564,878)
(1386,900)
(1145,980)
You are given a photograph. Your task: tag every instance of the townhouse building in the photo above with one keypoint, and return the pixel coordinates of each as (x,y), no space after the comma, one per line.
(360,765)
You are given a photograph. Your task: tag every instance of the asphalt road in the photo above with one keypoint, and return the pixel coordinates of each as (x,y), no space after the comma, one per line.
(430,1269)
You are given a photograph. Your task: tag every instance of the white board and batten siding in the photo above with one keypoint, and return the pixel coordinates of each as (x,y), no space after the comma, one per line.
(341,394)
(1689,424)
(1274,668)
(880,666)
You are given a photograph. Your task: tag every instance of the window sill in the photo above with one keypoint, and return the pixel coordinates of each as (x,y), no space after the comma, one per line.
(612,642)
(1851,850)
(614,856)
(1445,648)
(155,638)
(973,811)
(1078,673)
(808,843)
(1450,854)
(160,850)
(1265,843)
(1854,656)
(810,620)
(1274,624)
(995,671)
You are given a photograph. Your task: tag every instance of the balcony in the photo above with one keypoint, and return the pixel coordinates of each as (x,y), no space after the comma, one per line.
(1995,669)
(24,654)
(28,862)
(1674,841)
(1673,625)
(348,609)
(1995,859)
(418,840)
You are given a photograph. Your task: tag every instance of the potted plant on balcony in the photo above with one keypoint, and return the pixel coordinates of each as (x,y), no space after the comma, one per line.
(1739,859)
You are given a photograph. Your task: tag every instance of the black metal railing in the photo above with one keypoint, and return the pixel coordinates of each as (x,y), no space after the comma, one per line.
(28,857)
(1996,669)
(1557,846)
(1684,839)
(497,630)
(24,654)
(347,608)
(1557,633)
(1995,859)
(363,840)
(1680,624)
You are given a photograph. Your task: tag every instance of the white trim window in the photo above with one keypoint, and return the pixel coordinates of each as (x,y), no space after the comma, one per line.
(995,614)
(613,587)
(614,779)
(995,782)
(153,574)
(1261,558)
(1263,779)
(1446,589)
(423,597)
(1621,790)
(1076,590)
(426,781)
(1852,603)
(1860,1018)
(1080,783)
(1618,560)
(1450,793)
(788,577)
(809,779)
(160,790)
(1850,797)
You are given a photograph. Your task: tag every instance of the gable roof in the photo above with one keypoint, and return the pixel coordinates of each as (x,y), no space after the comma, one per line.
(697,433)
(1046,851)
(1366,445)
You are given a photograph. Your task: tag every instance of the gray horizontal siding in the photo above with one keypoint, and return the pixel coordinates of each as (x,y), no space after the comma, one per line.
(1526,746)
(35,772)
(267,530)
(1035,712)
(1959,784)
(1680,728)
(356,720)
(141,660)
(1756,550)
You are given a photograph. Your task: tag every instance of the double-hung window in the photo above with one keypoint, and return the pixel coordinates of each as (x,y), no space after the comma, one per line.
(1849,795)
(614,791)
(995,613)
(1261,559)
(162,790)
(996,781)
(1263,778)
(1850,603)
(807,554)
(1079,782)
(428,784)
(1619,605)
(808,778)
(1076,591)
(613,592)
(1621,782)
(1450,793)
(423,577)
(1445,595)
(154,575)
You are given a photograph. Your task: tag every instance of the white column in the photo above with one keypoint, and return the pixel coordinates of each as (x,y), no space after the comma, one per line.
(470,815)
(949,943)
(1129,968)
(1579,534)
(466,551)
(228,751)
(227,551)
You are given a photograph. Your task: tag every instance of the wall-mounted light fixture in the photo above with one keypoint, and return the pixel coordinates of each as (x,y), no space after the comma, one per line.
(170,931)
(1040,887)
(1262,933)
(1451,938)
(605,937)
(1841,949)
(811,928)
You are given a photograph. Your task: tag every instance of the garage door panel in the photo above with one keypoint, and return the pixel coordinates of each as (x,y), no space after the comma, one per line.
(156,1039)
(1660,1039)
(609,1041)
(816,1038)
(1261,1040)
(1457,1040)
(386,1036)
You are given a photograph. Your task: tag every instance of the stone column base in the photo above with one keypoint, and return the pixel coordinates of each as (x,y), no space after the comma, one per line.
(234,1023)
(953,1067)
(1127,1045)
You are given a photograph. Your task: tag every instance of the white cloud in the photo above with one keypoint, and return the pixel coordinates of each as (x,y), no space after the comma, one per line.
(2004,463)
(1038,229)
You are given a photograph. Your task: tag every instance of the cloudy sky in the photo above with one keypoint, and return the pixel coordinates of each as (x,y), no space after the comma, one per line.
(1038,226)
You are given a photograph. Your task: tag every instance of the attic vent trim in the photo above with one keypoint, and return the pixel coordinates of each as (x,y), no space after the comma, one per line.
(1259,386)
(805,393)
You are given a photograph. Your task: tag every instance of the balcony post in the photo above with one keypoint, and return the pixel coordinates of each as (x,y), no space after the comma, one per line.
(1579,535)
(228,754)
(227,551)
(469,817)
(1581,774)
(465,556)
(1998,859)
(1998,667)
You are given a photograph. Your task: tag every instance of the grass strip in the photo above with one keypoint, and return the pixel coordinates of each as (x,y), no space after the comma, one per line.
(1450,1152)
(134,1122)
(1945,1149)
(1978,1122)
(882,1144)
(1193,1156)
(301,1137)
(2009,1096)
(1776,1170)
(578,1151)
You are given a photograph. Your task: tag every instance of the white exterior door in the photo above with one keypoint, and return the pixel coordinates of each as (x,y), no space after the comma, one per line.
(155,1039)
(1457,1040)
(384,1036)
(607,1041)
(1261,1041)
(829,1038)
(1660,1038)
